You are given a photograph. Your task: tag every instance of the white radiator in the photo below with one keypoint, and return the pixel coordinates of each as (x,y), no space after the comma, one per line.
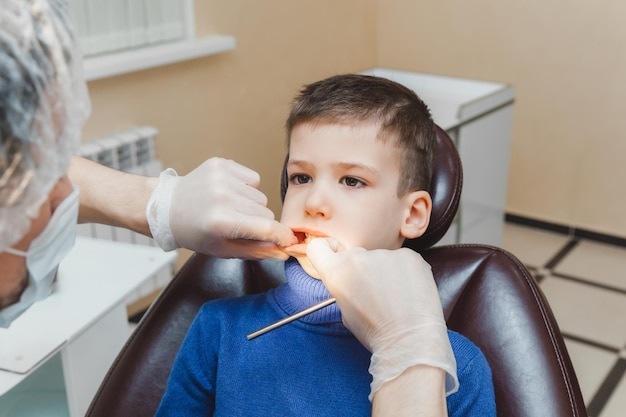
(132,151)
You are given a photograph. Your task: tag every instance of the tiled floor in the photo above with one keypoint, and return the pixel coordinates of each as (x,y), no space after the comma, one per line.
(585,284)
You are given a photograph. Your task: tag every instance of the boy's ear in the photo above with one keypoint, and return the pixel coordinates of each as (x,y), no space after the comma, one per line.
(417,217)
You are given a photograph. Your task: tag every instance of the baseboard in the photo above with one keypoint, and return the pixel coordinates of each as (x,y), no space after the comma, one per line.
(566,230)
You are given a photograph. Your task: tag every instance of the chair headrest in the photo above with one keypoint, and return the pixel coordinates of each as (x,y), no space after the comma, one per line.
(445,190)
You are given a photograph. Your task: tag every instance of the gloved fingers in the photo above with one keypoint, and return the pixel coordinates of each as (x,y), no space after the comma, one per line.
(262,228)
(216,209)
(238,171)
(221,168)
(322,245)
(247,192)
(325,255)
(386,275)
(248,249)
(348,276)
(218,179)
(408,279)
(321,253)
(376,290)
(242,181)
(246,206)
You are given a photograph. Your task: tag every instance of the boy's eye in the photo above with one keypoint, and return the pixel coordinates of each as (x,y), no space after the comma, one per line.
(352,182)
(299,179)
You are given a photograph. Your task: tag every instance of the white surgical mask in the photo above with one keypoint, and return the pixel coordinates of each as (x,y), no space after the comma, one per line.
(44,256)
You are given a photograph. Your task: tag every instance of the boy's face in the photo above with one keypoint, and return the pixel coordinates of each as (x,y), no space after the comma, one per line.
(343,183)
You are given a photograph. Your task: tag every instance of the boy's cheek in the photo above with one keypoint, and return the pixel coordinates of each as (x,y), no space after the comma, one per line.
(286,214)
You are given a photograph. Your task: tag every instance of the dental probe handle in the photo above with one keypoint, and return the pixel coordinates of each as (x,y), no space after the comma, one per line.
(291,318)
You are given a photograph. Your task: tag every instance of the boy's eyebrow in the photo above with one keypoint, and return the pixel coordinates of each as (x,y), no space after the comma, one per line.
(298,162)
(356,165)
(341,165)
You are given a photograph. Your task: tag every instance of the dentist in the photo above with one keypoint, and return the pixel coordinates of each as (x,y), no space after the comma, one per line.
(216,209)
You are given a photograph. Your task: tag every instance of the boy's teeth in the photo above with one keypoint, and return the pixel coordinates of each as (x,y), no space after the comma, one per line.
(306,237)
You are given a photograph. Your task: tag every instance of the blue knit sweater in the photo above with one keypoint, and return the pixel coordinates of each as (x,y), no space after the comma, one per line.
(312,367)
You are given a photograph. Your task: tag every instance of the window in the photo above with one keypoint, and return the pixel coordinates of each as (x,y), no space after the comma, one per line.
(122,36)
(107,26)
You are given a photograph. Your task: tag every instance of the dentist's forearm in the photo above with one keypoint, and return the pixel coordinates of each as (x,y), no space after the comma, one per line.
(112,197)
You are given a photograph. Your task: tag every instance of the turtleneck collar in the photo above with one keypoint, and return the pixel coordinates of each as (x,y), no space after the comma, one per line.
(302,291)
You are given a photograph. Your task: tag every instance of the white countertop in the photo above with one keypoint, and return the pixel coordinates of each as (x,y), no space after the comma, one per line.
(95,277)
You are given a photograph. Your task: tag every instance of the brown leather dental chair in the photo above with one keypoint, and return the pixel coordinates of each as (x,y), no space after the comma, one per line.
(487,294)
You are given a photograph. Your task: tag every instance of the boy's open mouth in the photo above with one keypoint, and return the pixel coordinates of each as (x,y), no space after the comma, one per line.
(304,236)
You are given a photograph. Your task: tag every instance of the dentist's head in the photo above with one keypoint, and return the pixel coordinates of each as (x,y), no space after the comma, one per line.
(43,105)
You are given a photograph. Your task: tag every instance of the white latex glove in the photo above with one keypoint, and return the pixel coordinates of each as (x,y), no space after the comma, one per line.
(389,301)
(216,209)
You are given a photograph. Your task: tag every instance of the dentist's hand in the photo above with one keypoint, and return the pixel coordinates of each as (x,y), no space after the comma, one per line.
(216,209)
(389,300)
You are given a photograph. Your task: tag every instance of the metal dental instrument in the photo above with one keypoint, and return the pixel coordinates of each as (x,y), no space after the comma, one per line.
(291,318)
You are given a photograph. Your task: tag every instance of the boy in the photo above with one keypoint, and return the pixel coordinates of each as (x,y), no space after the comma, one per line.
(352,175)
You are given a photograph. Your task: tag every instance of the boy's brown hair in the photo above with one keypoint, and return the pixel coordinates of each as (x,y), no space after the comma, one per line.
(402,115)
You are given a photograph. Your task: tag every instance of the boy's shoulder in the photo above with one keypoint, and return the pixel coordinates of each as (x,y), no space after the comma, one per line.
(476,393)
(465,351)
(457,338)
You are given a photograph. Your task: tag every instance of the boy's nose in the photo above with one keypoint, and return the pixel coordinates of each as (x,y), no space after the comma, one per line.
(318,202)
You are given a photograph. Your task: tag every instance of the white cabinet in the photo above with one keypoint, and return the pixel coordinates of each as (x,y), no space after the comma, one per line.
(478,116)
(54,356)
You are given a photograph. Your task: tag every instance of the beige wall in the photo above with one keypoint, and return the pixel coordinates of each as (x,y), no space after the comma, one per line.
(565,58)
(567,61)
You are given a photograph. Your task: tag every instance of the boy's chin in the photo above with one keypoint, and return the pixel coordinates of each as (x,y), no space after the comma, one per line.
(304,262)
